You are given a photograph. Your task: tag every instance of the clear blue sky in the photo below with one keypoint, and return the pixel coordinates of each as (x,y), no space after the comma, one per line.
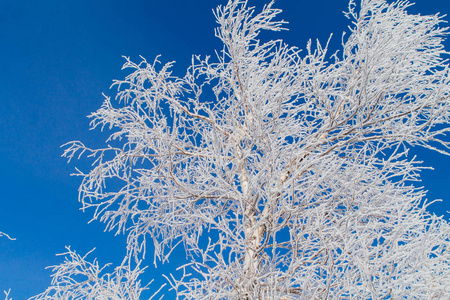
(56,58)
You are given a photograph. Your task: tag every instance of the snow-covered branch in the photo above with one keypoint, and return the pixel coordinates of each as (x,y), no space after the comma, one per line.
(78,278)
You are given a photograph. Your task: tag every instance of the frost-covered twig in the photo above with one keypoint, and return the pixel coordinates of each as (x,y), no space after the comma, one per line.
(7,294)
(4,234)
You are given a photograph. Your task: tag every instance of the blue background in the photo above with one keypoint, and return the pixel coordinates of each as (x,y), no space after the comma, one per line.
(56,58)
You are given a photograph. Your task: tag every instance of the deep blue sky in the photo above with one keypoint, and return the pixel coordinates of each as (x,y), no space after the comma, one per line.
(56,58)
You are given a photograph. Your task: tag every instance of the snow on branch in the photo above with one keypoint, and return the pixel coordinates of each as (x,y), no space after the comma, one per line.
(6,235)
(77,278)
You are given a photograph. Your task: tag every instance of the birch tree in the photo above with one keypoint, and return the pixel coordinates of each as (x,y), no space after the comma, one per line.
(284,174)
(6,235)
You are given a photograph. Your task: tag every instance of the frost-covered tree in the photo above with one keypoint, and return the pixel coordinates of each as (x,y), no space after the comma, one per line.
(283,174)
(77,278)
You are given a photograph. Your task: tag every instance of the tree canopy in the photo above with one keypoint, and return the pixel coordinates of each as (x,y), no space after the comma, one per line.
(283,173)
